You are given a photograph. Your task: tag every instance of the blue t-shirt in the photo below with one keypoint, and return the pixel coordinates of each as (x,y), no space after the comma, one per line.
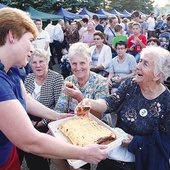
(10,88)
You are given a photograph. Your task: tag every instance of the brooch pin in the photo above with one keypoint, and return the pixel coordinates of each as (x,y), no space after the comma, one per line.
(143,112)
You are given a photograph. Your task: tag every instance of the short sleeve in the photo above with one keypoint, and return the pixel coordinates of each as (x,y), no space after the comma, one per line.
(6,89)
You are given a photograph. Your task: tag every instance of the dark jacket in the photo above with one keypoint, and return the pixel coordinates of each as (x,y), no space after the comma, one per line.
(151,152)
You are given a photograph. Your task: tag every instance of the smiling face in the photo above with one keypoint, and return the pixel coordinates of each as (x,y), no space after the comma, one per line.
(39,65)
(23,49)
(80,66)
(145,70)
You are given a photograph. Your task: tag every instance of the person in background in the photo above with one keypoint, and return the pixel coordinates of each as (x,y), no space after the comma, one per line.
(43,39)
(72,34)
(98,27)
(119,36)
(87,36)
(166,26)
(153,41)
(158,25)
(101,55)
(121,67)
(58,36)
(124,23)
(143,114)
(50,29)
(136,42)
(109,32)
(17,33)
(65,64)
(83,28)
(44,85)
(129,29)
(164,42)
(144,25)
(135,17)
(86,84)
(151,25)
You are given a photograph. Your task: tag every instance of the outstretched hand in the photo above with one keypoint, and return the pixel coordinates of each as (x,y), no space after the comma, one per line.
(64,115)
(84,102)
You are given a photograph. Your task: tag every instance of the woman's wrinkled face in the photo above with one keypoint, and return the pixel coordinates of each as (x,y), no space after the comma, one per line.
(80,66)
(145,69)
(39,65)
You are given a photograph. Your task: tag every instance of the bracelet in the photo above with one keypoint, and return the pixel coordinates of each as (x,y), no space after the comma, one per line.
(45,121)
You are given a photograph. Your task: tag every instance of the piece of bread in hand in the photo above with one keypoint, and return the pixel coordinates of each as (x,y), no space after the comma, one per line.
(69,84)
(83,110)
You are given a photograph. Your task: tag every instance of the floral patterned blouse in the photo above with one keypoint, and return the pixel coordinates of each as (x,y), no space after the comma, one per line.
(95,88)
(138,115)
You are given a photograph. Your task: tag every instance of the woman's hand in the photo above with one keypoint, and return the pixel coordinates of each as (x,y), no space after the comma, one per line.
(64,115)
(127,141)
(99,153)
(109,82)
(74,93)
(85,101)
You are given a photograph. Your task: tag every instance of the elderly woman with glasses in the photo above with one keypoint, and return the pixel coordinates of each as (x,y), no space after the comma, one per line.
(121,67)
(101,55)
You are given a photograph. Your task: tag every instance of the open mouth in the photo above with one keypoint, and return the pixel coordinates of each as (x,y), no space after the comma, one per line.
(139,74)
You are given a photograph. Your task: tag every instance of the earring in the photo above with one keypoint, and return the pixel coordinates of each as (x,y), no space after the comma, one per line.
(12,41)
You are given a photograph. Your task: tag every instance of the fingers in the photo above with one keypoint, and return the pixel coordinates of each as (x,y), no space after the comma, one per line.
(96,153)
(102,146)
(85,101)
(65,115)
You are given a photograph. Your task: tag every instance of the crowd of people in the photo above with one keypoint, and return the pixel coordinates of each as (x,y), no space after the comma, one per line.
(118,64)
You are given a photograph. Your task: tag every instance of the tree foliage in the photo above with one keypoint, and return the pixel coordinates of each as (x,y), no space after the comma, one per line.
(52,6)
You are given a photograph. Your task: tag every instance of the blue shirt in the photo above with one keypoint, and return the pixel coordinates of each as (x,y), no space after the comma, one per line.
(10,88)
(138,115)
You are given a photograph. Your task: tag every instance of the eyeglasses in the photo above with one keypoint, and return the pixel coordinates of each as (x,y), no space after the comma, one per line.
(97,38)
(121,48)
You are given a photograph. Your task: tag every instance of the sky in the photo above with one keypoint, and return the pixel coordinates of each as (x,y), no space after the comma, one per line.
(161,3)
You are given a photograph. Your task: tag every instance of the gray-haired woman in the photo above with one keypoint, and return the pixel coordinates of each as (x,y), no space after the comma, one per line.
(144,114)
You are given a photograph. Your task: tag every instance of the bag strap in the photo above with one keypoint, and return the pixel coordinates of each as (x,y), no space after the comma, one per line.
(112,32)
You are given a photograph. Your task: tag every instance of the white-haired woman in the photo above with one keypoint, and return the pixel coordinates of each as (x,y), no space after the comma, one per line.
(86,84)
(144,114)
(44,85)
